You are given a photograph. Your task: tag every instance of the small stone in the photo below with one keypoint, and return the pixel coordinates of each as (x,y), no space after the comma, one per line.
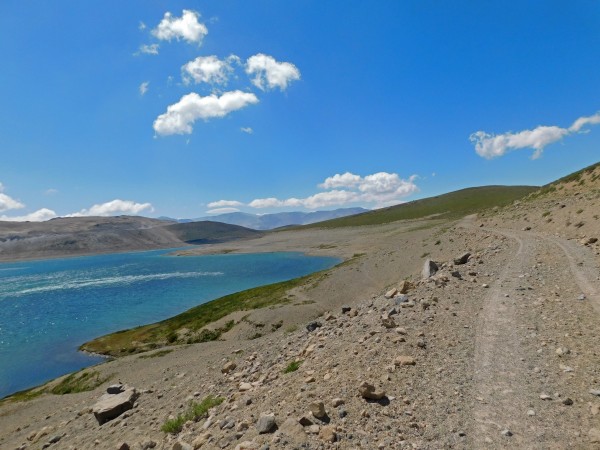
(567,401)
(595,392)
(369,391)
(337,402)
(506,433)
(317,409)
(391,293)
(245,386)
(462,259)
(530,412)
(404,360)
(228,367)
(247,445)
(327,434)
(312,326)
(346,309)
(429,269)
(545,397)
(266,423)
(388,322)
(181,445)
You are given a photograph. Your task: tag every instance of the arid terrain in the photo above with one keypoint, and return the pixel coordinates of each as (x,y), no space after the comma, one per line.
(496,348)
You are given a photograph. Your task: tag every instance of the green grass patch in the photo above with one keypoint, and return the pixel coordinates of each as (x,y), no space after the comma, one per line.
(146,337)
(79,382)
(447,206)
(195,412)
(292,366)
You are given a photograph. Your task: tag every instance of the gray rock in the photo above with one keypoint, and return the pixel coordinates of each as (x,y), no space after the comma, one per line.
(429,269)
(111,406)
(115,388)
(346,309)
(369,391)
(266,423)
(400,299)
(313,326)
(506,433)
(180,445)
(462,259)
(318,410)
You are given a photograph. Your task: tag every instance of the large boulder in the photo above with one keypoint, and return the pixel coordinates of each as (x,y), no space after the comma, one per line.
(111,406)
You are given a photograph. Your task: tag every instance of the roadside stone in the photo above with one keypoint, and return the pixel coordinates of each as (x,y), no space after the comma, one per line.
(369,391)
(266,423)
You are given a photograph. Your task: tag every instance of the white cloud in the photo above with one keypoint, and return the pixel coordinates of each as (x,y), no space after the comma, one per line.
(180,116)
(51,191)
(7,202)
(225,203)
(151,49)
(185,27)
(269,73)
(344,180)
(144,87)
(40,215)
(208,69)
(114,207)
(222,210)
(380,189)
(141,26)
(247,130)
(491,146)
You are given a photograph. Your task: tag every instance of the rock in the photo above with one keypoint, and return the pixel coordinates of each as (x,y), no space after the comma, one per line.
(400,299)
(327,434)
(581,297)
(337,402)
(531,412)
(245,386)
(312,326)
(201,440)
(346,309)
(462,259)
(369,391)
(181,445)
(266,423)
(388,322)
(545,397)
(404,360)
(405,286)
(115,389)
(429,269)
(247,445)
(293,430)
(228,367)
(111,406)
(123,446)
(567,401)
(456,274)
(590,240)
(391,293)
(506,433)
(595,392)
(594,435)
(317,409)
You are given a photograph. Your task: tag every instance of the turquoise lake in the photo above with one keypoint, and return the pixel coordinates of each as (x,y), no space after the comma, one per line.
(50,307)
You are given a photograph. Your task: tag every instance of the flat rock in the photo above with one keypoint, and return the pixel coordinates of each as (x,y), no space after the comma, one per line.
(111,406)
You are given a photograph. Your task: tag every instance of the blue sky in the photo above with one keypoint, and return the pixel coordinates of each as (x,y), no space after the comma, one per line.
(182,107)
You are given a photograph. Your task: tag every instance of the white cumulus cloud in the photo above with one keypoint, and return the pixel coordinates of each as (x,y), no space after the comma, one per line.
(222,210)
(114,207)
(147,49)
(186,27)
(269,73)
(208,69)
(41,215)
(224,203)
(144,87)
(491,146)
(247,130)
(379,189)
(180,116)
(7,202)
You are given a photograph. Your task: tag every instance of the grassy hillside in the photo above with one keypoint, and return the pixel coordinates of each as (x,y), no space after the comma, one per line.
(447,206)
(206,232)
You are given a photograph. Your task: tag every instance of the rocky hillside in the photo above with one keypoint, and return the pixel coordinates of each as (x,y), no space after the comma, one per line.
(89,235)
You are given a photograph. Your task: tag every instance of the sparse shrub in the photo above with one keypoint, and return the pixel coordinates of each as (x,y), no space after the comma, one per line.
(256,336)
(579,224)
(293,366)
(438,242)
(579,211)
(276,326)
(195,412)
(425,255)
(171,337)
(547,213)
(291,328)
(79,382)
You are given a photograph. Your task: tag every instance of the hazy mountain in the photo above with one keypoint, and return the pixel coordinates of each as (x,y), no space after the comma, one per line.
(276,220)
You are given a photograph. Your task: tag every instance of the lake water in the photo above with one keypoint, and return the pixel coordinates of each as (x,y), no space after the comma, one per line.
(48,308)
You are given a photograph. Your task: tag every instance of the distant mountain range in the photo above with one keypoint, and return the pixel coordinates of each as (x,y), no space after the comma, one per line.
(277,220)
